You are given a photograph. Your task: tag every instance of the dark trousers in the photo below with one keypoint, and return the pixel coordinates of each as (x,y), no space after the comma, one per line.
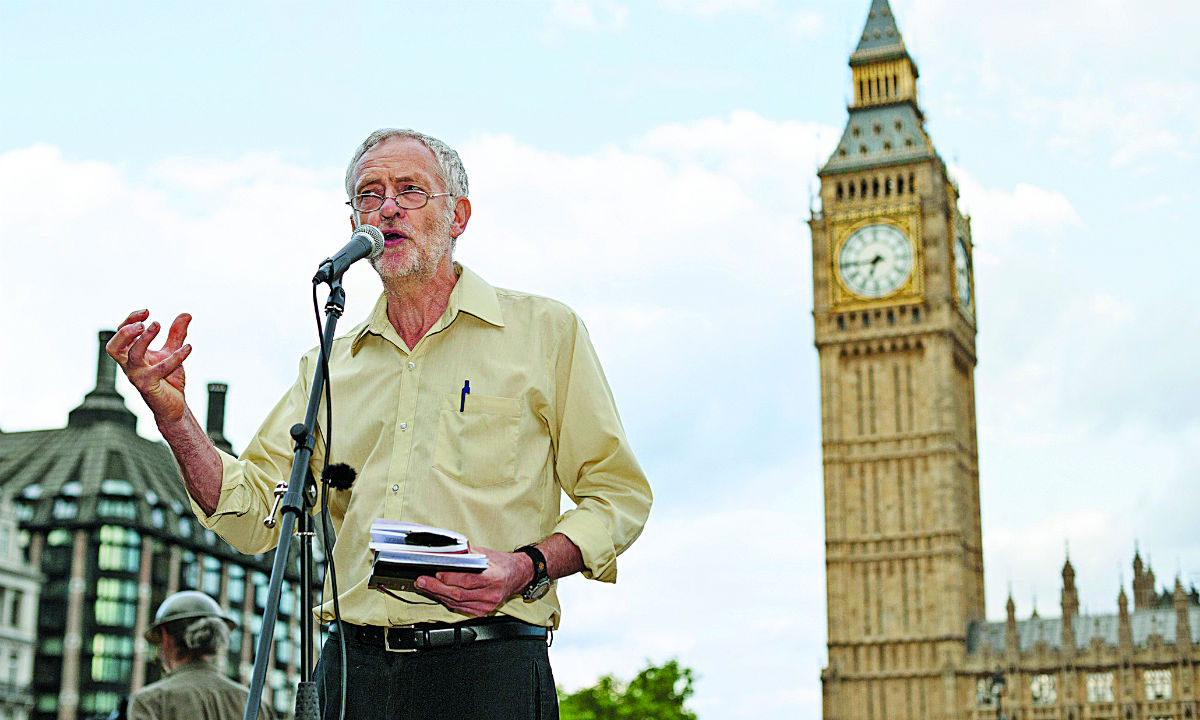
(493,680)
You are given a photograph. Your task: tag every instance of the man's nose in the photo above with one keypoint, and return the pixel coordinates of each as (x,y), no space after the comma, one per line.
(395,209)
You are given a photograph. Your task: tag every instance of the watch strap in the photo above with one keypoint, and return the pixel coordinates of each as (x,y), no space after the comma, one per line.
(541,575)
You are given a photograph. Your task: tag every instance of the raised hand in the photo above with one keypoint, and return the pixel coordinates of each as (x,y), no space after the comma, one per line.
(157,374)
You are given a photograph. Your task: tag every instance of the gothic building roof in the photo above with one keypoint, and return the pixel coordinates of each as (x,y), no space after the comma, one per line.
(881,135)
(98,470)
(880,37)
(1144,624)
(882,129)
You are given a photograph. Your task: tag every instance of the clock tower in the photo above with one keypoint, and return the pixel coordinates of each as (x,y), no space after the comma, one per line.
(894,314)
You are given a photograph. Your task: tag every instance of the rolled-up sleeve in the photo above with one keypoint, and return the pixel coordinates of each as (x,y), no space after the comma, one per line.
(248,482)
(595,464)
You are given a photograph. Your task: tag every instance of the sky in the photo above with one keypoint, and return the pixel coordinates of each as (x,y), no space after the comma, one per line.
(653,165)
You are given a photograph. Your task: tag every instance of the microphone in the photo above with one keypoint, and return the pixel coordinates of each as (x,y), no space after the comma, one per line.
(366,242)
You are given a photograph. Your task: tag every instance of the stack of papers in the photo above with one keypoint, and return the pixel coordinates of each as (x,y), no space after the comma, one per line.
(404,551)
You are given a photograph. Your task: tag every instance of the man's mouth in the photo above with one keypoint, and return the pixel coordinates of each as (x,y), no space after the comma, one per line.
(392,238)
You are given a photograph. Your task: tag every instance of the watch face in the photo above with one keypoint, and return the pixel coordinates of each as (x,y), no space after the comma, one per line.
(875,260)
(962,272)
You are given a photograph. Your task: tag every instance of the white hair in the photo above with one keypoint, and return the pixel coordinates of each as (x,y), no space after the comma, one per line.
(450,166)
(197,637)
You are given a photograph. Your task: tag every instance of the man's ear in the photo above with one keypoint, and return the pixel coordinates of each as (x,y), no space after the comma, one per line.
(462,213)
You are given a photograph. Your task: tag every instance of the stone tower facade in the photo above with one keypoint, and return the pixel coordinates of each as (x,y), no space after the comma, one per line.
(894,313)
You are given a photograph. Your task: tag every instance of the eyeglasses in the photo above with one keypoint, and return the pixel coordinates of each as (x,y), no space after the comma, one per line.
(409,200)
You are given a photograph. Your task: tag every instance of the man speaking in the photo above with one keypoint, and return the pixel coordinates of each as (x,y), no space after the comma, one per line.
(461,406)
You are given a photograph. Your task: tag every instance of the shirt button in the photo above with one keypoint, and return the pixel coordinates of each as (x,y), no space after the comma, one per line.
(395,488)
(411,365)
(404,426)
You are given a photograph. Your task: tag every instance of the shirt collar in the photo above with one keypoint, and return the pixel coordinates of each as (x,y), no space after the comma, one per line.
(471,294)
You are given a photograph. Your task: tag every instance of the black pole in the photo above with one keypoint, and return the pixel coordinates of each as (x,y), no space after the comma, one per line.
(300,493)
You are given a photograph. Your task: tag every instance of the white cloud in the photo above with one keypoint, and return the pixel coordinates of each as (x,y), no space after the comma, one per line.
(1113,81)
(590,15)
(806,24)
(710,8)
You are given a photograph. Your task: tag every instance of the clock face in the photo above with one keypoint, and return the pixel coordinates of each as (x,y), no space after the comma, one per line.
(875,260)
(962,272)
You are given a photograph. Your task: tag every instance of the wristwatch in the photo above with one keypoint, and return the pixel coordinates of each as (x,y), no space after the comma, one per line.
(540,584)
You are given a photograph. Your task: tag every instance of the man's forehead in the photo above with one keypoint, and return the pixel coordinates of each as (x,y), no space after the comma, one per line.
(397,158)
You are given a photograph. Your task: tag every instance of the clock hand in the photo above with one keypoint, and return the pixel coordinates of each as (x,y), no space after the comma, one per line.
(872,261)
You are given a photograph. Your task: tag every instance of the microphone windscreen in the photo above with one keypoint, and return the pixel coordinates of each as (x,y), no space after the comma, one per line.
(373,235)
(339,476)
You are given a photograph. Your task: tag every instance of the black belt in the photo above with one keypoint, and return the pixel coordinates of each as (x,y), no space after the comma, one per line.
(427,636)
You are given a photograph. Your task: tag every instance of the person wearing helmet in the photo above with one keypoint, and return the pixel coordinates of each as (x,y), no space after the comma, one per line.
(191,632)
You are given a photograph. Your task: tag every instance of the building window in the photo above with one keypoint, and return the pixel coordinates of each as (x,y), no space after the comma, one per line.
(283,650)
(190,571)
(237,584)
(983,692)
(14,610)
(111,658)
(116,487)
(1100,687)
(99,703)
(1041,689)
(106,507)
(118,549)
(281,692)
(64,509)
(116,602)
(71,489)
(1158,684)
(212,576)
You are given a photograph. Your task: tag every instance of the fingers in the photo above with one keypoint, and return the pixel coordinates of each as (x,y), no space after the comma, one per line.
(469,593)
(131,343)
(178,332)
(168,365)
(118,346)
(140,344)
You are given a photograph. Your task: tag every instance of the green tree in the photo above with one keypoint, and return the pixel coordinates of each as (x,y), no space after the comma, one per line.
(656,693)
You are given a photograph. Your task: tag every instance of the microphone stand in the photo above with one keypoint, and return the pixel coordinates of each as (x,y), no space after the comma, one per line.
(295,499)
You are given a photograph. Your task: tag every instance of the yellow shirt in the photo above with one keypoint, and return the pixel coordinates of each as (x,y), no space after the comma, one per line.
(539,420)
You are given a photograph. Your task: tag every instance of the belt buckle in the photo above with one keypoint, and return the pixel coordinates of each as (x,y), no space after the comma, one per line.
(387,645)
(439,637)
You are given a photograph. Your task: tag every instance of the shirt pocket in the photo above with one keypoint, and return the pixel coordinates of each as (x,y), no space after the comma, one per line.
(478,446)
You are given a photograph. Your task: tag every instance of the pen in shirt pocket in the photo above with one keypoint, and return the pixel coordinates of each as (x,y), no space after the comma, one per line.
(466,390)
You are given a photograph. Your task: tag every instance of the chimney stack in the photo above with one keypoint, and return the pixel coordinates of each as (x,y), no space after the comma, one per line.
(215,425)
(103,403)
